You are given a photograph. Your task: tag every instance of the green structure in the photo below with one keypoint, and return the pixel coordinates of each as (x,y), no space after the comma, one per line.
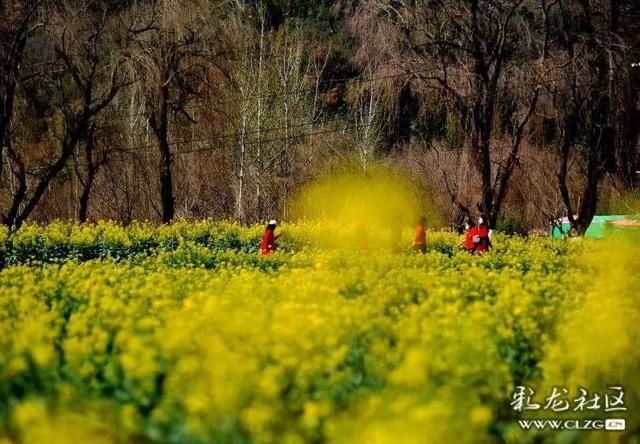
(601,226)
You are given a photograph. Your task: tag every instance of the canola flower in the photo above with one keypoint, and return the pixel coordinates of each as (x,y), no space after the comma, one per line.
(184,334)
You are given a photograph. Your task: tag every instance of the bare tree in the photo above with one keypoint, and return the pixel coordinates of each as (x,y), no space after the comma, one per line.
(273,105)
(85,84)
(18,24)
(592,101)
(467,52)
(176,50)
(94,160)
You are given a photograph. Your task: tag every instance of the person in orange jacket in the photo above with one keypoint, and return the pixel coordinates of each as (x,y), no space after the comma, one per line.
(420,236)
(269,238)
(362,235)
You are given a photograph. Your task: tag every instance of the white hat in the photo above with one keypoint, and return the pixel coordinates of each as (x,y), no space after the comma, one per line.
(273,222)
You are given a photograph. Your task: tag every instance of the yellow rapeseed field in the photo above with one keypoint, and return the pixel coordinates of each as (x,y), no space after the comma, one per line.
(184,334)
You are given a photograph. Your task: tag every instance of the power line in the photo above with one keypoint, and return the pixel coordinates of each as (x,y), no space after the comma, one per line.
(291,138)
(148,154)
(137,150)
(237,135)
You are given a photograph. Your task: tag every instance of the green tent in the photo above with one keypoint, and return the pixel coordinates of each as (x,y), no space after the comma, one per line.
(601,226)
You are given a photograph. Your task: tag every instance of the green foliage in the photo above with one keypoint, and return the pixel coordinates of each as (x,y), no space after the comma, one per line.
(319,13)
(433,126)
(454,137)
(512,225)
(60,242)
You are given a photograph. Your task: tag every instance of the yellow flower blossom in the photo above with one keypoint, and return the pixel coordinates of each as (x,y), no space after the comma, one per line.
(183,333)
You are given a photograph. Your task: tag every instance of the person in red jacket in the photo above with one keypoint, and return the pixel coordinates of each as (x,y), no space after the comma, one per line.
(269,238)
(469,233)
(482,238)
(420,236)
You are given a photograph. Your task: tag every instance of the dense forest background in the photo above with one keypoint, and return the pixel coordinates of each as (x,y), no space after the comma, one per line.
(527,110)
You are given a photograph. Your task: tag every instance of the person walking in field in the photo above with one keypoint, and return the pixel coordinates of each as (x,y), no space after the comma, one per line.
(469,233)
(482,236)
(269,238)
(362,235)
(420,236)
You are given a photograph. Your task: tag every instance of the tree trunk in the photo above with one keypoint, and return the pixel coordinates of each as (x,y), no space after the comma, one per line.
(260,163)
(600,140)
(92,169)
(6,113)
(21,192)
(240,214)
(11,76)
(68,145)
(160,126)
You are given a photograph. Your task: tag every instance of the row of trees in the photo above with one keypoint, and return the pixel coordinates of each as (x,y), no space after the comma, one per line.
(494,66)
(164,109)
